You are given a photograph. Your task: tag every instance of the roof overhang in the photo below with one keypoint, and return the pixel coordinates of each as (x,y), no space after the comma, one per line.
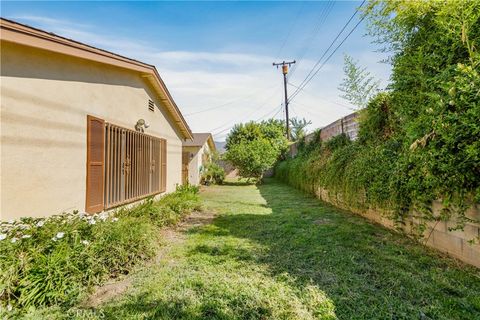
(27,36)
(211,143)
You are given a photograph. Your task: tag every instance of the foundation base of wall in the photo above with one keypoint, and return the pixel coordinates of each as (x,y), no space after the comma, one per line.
(456,243)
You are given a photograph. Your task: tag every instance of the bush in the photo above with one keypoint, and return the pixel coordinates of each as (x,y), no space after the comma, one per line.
(418,142)
(213,173)
(254,147)
(252,158)
(53,261)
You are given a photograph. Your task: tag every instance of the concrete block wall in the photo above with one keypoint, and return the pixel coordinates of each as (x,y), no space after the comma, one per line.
(348,125)
(456,243)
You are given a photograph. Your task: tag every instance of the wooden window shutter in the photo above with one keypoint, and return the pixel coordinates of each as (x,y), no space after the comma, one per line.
(163,175)
(95,164)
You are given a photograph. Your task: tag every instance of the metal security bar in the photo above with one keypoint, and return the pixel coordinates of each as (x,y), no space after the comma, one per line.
(135,165)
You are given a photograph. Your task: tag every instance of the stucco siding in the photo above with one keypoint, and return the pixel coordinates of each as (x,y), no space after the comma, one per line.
(196,162)
(45,100)
(193,165)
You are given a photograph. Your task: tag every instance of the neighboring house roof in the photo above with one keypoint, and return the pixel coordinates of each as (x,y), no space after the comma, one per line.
(15,32)
(199,139)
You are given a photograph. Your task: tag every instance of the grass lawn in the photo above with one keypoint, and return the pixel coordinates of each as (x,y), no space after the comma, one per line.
(275,253)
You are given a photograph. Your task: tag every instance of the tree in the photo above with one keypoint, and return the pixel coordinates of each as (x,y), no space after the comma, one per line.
(252,158)
(358,85)
(298,128)
(254,147)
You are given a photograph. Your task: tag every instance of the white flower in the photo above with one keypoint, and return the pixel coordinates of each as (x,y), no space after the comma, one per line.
(40,223)
(11,221)
(13,240)
(115,219)
(60,235)
(54,239)
(9,307)
(103,216)
(85,242)
(26,236)
(92,221)
(3,236)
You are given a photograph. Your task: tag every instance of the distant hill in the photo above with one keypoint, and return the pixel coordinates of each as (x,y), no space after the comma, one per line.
(220,145)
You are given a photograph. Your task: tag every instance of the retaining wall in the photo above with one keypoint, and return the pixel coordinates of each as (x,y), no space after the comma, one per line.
(437,235)
(347,125)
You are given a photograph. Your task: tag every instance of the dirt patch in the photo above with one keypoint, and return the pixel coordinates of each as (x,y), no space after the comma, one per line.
(169,236)
(108,291)
(196,219)
(177,234)
(322,221)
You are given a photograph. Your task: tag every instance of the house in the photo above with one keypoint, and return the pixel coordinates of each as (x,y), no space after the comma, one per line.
(196,154)
(81,128)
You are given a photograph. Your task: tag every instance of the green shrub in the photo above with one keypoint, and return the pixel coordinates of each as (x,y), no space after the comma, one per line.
(420,141)
(53,261)
(254,147)
(378,120)
(337,142)
(213,173)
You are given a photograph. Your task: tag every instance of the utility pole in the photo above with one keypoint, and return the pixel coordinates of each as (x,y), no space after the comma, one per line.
(285,66)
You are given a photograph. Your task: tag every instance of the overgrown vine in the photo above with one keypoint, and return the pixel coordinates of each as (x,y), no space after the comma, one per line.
(419,141)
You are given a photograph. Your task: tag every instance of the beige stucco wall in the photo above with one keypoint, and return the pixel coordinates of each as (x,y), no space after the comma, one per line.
(193,165)
(196,162)
(45,100)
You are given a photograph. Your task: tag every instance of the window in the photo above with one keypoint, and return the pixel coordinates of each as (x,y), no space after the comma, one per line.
(124,165)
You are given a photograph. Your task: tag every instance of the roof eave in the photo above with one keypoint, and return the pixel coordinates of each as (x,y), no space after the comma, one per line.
(25,35)
(211,143)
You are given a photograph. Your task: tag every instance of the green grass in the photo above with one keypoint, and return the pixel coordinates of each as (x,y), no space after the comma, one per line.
(275,253)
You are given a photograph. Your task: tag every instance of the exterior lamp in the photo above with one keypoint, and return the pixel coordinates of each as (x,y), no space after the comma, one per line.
(141,125)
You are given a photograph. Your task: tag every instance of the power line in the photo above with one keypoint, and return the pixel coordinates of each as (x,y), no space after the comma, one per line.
(334,40)
(280,107)
(307,109)
(322,17)
(294,22)
(276,113)
(324,13)
(326,60)
(231,102)
(230,127)
(250,114)
(330,46)
(329,101)
(294,112)
(280,112)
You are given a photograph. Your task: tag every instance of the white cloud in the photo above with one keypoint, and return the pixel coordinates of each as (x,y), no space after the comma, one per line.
(46,20)
(83,33)
(210,57)
(237,86)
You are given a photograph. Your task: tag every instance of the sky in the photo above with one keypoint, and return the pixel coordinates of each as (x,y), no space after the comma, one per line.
(216,57)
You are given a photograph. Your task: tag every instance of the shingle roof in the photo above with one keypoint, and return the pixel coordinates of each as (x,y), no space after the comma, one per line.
(199,140)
